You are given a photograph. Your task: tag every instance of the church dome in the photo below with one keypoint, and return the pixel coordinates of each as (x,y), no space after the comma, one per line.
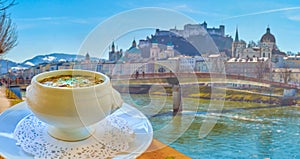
(134,50)
(268,37)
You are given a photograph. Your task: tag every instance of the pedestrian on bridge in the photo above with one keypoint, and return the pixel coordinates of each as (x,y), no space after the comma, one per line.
(136,74)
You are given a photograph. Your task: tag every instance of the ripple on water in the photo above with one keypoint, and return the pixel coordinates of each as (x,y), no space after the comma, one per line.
(263,133)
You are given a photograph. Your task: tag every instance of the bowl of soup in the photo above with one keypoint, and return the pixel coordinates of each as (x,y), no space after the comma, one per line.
(72,102)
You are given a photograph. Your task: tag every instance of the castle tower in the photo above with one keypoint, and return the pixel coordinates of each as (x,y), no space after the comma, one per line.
(204,25)
(222,30)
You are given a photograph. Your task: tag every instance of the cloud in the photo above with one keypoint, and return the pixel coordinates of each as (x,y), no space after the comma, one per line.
(58,20)
(294,17)
(188,9)
(39,19)
(86,20)
(181,7)
(263,12)
(28,23)
(25,26)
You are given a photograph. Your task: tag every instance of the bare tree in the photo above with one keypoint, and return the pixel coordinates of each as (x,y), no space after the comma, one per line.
(8,34)
(5,4)
(285,73)
(261,69)
(216,64)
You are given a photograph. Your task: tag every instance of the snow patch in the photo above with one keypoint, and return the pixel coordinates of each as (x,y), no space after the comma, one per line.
(49,58)
(62,60)
(18,68)
(29,63)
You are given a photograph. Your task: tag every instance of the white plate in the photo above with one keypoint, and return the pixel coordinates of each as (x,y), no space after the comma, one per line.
(11,117)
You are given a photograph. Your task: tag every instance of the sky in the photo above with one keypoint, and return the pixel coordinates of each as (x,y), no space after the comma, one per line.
(62,25)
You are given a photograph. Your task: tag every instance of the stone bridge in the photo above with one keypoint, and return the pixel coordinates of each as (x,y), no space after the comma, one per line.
(171,79)
(154,76)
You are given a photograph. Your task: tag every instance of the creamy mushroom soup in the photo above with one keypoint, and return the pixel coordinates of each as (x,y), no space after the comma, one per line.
(71,81)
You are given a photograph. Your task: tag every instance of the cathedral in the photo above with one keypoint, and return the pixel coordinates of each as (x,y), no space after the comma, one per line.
(134,53)
(267,44)
(266,47)
(254,60)
(237,46)
(156,53)
(114,54)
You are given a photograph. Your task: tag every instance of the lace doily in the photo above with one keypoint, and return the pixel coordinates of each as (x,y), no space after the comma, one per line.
(111,137)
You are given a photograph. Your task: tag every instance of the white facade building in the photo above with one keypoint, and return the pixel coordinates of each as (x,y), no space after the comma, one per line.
(252,67)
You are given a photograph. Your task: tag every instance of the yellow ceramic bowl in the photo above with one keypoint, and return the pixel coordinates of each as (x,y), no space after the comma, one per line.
(71,113)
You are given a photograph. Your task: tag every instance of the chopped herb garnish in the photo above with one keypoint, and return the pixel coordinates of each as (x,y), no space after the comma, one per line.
(70,81)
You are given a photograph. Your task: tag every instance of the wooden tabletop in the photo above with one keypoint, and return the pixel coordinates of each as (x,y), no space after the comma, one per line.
(158,150)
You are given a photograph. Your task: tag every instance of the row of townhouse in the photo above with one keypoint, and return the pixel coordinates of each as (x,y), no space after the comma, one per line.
(182,64)
(44,67)
(251,67)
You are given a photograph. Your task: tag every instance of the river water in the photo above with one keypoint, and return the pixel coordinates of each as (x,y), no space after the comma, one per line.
(246,133)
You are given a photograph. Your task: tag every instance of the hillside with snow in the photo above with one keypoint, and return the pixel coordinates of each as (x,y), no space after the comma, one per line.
(55,57)
(50,58)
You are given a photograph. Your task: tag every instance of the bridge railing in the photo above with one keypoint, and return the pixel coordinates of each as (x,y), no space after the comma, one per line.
(12,92)
(16,81)
(205,75)
(25,82)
